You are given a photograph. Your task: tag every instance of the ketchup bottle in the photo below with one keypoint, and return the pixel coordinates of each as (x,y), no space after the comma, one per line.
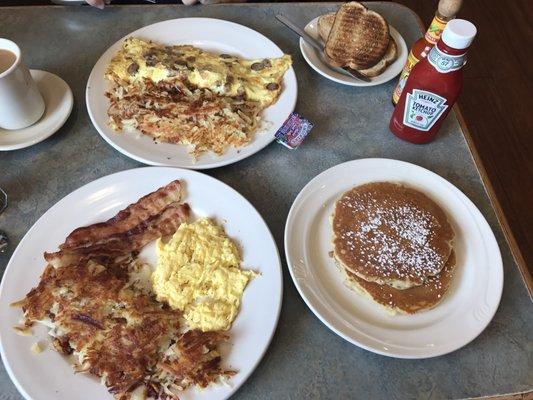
(433,85)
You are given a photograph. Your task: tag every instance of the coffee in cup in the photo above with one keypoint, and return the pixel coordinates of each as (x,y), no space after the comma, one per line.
(7,59)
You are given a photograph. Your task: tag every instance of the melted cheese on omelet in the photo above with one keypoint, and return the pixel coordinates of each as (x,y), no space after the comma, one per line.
(198,272)
(256,80)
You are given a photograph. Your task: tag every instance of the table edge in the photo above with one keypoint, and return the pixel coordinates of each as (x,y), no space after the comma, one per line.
(491,193)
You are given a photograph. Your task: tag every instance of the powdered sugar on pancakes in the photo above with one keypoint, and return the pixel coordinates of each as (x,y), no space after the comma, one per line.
(391,234)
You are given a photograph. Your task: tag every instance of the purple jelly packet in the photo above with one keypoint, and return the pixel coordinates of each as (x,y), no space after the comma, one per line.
(293,131)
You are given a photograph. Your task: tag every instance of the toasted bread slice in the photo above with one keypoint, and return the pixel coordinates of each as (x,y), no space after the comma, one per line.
(358,39)
(325,22)
(390,55)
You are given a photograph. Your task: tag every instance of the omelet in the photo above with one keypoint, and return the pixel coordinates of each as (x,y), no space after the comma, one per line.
(225,75)
(198,272)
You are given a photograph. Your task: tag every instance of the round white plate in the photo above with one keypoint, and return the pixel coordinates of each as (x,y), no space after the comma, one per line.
(209,34)
(58,102)
(319,64)
(463,314)
(48,376)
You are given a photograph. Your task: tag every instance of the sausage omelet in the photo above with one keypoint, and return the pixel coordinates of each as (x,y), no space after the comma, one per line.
(198,273)
(225,75)
(183,94)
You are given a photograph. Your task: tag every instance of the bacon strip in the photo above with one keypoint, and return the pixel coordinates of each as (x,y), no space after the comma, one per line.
(123,242)
(126,219)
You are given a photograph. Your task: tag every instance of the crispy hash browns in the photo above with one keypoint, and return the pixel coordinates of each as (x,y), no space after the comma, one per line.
(175,113)
(102,312)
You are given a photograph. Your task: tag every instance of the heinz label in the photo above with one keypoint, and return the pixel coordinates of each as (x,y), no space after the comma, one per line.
(423,109)
(445,63)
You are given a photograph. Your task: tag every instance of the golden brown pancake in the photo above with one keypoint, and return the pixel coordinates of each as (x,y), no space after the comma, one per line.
(411,300)
(390,234)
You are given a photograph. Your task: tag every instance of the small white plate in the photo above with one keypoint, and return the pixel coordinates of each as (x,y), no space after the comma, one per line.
(209,34)
(58,103)
(463,314)
(48,376)
(319,64)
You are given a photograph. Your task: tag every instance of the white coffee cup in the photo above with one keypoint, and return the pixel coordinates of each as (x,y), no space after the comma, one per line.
(21,103)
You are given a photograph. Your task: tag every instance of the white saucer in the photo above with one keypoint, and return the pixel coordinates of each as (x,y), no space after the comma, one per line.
(58,102)
(317,62)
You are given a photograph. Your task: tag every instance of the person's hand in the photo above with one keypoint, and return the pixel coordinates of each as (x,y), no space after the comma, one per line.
(96,3)
(100,3)
(191,2)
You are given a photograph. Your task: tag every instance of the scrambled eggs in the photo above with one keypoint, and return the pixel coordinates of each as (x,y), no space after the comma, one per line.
(198,273)
(224,75)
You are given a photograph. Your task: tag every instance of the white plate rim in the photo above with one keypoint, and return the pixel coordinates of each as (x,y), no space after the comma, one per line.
(41,75)
(378,80)
(183,174)
(326,321)
(290,89)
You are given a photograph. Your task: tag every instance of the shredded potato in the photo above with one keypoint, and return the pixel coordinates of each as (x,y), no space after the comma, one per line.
(172,112)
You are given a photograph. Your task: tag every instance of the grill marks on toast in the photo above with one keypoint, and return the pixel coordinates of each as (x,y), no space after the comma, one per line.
(325,23)
(390,55)
(358,39)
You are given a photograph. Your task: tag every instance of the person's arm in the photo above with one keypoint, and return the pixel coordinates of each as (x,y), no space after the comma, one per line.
(96,3)
(100,3)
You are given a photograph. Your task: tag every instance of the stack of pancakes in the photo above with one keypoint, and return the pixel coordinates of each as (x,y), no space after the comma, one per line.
(394,244)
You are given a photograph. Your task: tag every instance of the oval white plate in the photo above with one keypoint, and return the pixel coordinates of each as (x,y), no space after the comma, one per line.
(209,34)
(317,62)
(48,376)
(58,102)
(463,314)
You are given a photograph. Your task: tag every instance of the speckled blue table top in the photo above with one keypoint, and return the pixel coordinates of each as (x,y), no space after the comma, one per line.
(305,360)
